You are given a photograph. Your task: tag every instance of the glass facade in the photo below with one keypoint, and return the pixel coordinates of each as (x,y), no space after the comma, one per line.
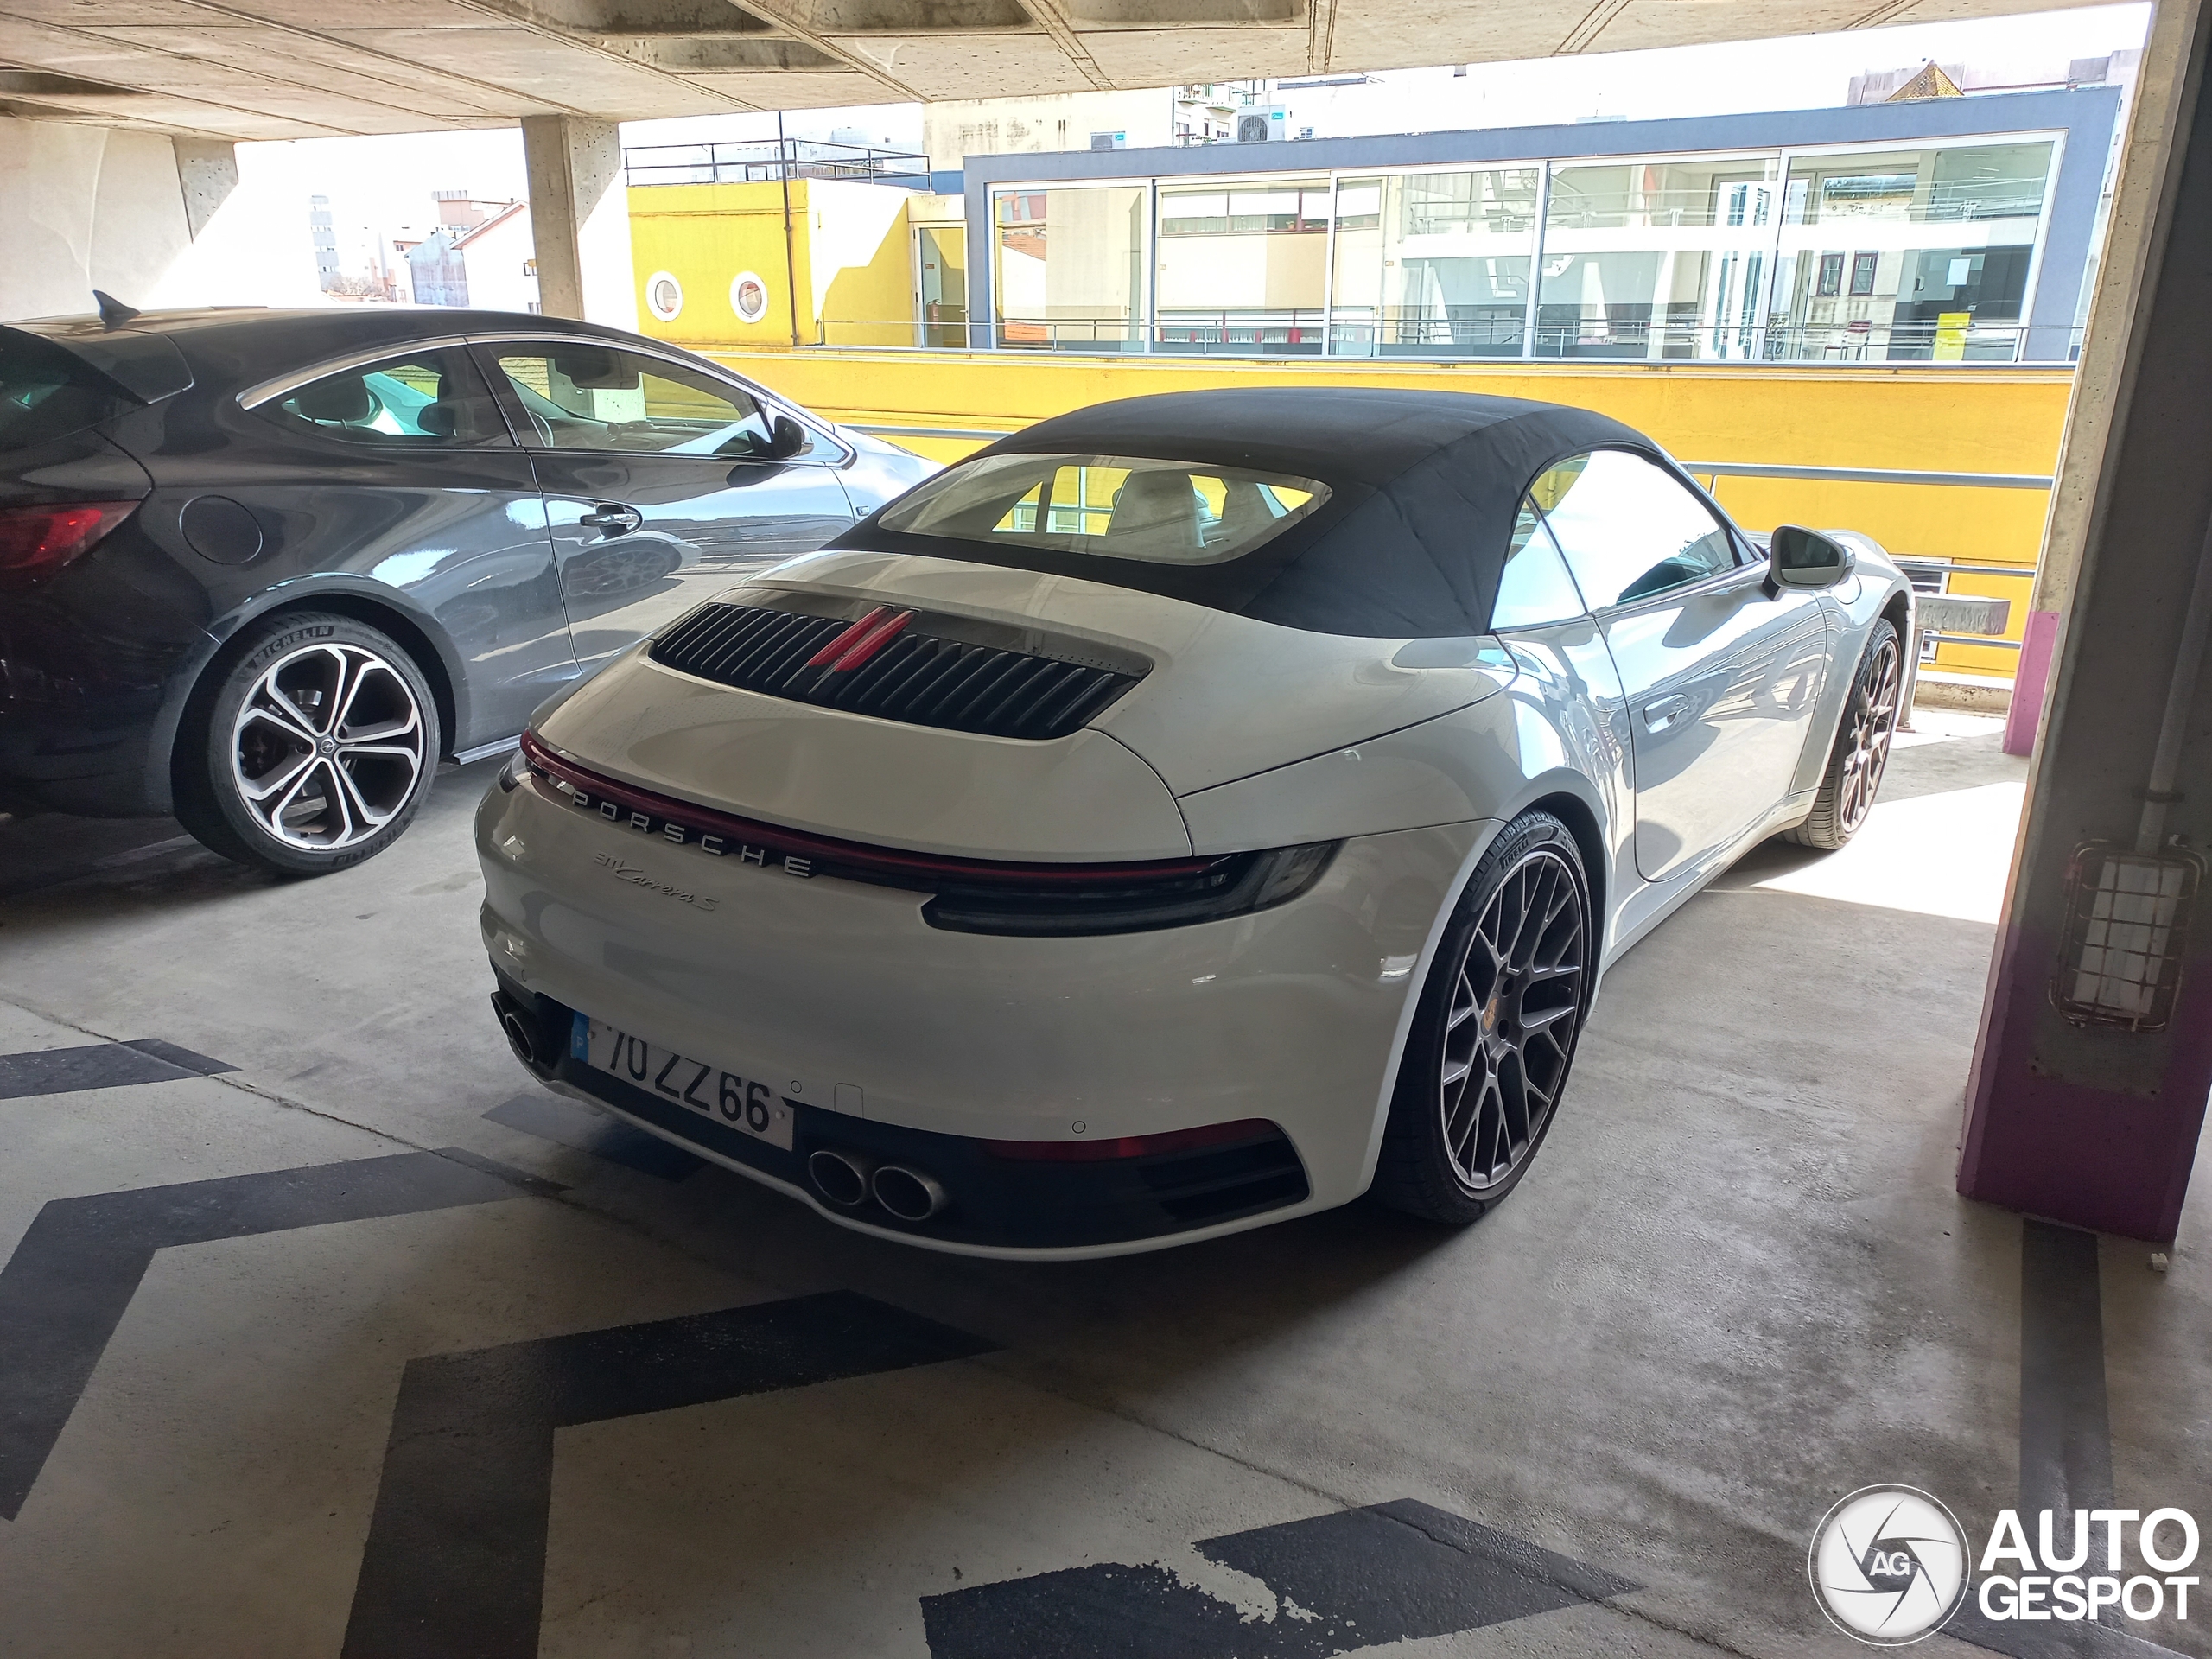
(1071,266)
(1904,254)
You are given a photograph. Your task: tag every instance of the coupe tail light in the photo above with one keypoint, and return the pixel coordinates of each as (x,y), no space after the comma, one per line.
(35,542)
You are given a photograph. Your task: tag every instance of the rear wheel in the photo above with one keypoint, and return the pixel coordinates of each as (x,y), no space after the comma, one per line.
(314,751)
(1493,1035)
(1862,746)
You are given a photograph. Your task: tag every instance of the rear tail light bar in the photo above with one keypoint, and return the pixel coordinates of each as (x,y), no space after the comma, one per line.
(971,895)
(35,542)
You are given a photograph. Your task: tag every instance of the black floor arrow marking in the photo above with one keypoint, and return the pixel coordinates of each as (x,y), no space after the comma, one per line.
(1354,1579)
(65,1289)
(100,1065)
(568,1124)
(455,1566)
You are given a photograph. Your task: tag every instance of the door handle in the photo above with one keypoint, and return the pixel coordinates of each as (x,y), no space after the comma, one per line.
(612,516)
(1665,712)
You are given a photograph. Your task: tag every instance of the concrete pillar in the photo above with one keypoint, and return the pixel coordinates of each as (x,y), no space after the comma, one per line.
(579,219)
(2076,1111)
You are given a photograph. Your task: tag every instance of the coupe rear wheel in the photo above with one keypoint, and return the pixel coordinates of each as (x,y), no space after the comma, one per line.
(1493,1035)
(1862,747)
(314,752)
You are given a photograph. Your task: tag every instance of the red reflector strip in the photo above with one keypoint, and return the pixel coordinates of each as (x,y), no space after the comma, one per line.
(867,648)
(36,542)
(853,859)
(854,645)
(1132,1145)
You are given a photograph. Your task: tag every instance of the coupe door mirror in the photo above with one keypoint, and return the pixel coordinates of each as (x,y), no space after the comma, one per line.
(786,437)
(1797,558)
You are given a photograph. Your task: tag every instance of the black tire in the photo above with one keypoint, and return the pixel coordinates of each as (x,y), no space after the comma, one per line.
(1853,776)
(329,799)
(1443,1160)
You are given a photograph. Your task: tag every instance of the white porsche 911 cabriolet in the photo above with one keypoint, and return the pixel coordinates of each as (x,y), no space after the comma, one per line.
(1188,813)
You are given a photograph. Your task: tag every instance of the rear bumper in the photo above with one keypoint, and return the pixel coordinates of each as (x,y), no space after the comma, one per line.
(93,675)
(932,1042)
(994,1202)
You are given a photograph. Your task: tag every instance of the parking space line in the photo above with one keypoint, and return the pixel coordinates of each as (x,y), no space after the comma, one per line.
(2065,1436)
(455,1558)
(66,1288)
(100,1065)
(1343,1581)
(565,1123)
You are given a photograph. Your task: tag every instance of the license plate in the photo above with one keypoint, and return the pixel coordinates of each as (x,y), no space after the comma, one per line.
(745,1105)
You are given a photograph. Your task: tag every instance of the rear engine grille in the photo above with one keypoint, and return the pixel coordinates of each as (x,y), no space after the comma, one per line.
(894,664)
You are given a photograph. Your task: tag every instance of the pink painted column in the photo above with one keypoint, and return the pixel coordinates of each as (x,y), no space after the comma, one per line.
(2083,1114)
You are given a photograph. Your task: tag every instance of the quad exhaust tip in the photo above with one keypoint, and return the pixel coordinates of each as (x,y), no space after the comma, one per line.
(839,1177)
(907,1194)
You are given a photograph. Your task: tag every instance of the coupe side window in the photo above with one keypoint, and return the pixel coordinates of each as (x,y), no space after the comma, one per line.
(1629,530)
(586,396)
(432,400)
(1534,587)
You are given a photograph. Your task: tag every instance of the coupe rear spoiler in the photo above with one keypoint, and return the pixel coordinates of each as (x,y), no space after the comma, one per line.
(141,364)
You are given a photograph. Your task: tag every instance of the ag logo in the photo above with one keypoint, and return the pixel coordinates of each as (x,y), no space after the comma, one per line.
(1889,1564)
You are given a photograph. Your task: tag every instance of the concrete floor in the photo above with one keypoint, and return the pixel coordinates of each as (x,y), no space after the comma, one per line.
(1737,1285)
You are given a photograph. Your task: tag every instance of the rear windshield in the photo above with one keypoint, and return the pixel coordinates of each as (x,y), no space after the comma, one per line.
(1123,507)
(47,392)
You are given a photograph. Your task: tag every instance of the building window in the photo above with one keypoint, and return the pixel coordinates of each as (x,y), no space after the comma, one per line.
(1071,267)
(1434,264)
(1657,258)
(1831,281)
(1242,270)
(1927,209)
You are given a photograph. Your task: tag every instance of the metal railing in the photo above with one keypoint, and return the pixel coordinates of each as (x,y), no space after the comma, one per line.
(766,161)
(1491,333)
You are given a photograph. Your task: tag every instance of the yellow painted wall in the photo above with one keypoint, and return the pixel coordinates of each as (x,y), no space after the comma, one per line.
(874,304)
(1964,420)
(704,235)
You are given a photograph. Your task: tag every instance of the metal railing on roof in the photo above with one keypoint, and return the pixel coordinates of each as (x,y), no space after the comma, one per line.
(766,161)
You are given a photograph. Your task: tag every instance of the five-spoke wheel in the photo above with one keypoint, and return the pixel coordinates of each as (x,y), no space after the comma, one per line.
(312,751)
(327,746)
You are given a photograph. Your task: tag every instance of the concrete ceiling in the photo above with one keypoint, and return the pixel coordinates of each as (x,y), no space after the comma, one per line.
(318,68)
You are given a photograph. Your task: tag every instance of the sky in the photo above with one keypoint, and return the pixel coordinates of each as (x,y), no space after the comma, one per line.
(382,185)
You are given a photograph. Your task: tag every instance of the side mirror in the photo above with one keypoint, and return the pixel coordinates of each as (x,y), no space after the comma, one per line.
(786,437)
(1797,558)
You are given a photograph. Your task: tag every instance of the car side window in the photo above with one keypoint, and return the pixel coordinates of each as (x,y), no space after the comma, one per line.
(586,396)
(431,400)
(1534,588)
(1629,530)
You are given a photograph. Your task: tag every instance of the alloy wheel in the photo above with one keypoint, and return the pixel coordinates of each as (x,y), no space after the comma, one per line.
(1873,722)
(1511,1030)
(327,747)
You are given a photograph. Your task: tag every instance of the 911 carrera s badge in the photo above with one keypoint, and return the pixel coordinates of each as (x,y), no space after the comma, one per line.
(679,834)
(624,871)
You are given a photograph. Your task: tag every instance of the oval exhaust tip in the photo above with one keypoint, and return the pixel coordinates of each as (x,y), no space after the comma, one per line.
(838,1176)
(907,1194)
(519,1038)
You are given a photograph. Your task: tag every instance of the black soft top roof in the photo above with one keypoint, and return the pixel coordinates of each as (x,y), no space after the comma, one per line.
(1424,486)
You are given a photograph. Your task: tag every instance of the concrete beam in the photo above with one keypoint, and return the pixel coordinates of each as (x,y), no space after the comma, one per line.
(2095,1059)
(579,219)
(206,171)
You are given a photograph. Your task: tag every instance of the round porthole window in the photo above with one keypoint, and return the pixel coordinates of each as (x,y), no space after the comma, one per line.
(748,297)
(665,295)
